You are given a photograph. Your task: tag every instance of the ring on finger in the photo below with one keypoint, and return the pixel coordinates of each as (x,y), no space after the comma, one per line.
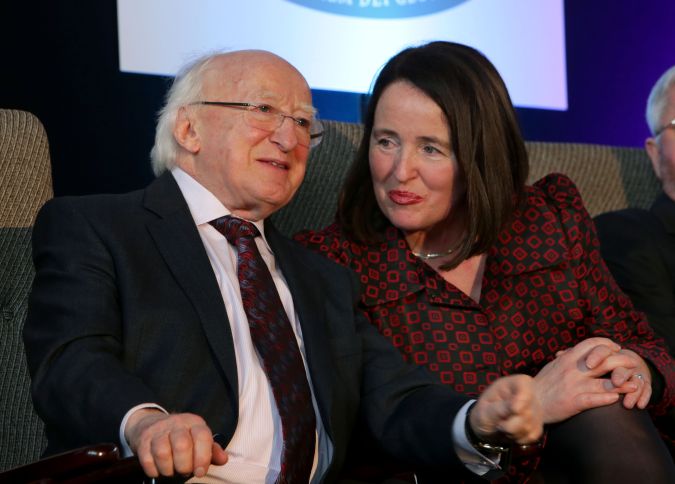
(639,376)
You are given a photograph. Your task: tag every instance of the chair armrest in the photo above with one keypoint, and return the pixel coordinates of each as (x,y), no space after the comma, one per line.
(96,463)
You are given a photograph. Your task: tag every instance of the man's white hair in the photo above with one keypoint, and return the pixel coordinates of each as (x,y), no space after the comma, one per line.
(658,100)
(186,89)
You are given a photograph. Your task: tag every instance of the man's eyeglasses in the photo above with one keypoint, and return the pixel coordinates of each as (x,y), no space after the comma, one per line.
(665,127)
(269,118)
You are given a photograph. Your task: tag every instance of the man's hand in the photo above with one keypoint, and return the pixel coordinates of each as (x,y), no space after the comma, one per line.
(508,406)
(167,444)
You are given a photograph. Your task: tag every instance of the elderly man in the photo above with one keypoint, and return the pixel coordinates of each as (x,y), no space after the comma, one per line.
(639,245)
(164,316)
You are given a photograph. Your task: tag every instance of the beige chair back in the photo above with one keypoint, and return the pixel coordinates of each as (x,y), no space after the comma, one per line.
(25,185)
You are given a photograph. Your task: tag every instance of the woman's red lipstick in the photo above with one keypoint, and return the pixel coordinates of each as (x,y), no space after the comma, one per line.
(404,198)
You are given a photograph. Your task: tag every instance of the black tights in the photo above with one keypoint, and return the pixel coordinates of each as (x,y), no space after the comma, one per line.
(606,445)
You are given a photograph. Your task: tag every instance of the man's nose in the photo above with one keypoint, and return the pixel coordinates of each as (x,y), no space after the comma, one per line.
(285,135)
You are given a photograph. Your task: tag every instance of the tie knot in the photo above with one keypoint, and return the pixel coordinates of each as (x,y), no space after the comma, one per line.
(234,228)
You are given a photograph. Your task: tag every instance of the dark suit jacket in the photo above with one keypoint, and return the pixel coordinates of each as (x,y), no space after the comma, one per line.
(125,309)
(639,248)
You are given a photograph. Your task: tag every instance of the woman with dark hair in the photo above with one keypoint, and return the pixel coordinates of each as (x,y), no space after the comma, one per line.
(474,275)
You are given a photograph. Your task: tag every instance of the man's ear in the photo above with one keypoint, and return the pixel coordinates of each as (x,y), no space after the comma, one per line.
(185,132)
(652,148)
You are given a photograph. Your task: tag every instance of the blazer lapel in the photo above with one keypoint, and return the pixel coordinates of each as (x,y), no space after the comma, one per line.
(177,239)
(303,284)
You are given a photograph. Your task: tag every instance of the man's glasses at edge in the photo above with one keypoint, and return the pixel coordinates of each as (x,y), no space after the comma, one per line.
(665,127)
(269,118)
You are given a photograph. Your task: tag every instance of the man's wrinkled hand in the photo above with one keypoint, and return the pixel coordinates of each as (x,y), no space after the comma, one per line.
(172,444)
(508,407)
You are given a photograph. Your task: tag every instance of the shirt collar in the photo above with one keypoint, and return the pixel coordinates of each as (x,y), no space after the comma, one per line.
(204,206)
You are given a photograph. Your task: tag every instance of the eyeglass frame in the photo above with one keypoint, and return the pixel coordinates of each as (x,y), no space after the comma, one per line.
(666,126)
(282,115)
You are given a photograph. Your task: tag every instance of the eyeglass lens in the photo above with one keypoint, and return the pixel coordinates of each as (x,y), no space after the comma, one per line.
(269,118)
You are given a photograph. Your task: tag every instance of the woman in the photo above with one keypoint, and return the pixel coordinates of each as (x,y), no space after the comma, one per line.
(475,275)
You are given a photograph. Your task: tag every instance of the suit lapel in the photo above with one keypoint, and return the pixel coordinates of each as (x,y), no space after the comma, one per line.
(307,299)
(177,239)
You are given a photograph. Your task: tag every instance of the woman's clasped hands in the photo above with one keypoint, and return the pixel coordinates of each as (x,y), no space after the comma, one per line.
(593,373)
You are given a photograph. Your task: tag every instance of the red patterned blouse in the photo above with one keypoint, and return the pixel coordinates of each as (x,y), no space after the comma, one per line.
(545,288)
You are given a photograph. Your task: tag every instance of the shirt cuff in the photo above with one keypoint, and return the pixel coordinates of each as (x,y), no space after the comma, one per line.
(126,450)
(478,463)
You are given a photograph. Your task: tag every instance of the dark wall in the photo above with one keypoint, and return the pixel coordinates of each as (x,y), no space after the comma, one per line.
(60,61)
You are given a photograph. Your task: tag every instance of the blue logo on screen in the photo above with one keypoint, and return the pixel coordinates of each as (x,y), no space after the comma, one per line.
(380,8)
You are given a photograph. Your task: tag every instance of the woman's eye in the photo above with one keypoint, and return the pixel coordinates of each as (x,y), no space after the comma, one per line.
(384,142)
(430,149)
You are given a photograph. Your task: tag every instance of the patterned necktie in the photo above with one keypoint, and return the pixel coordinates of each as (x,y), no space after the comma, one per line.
(278,349)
